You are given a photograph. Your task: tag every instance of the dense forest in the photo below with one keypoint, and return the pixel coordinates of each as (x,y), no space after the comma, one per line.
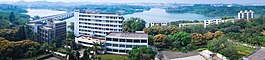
(212,10)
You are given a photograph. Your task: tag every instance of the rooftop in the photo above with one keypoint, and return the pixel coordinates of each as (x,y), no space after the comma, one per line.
(257,55)
(95,12)
(173,55)
(90,39)
(131,35)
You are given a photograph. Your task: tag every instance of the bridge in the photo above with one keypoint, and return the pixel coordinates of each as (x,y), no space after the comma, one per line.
(54,17)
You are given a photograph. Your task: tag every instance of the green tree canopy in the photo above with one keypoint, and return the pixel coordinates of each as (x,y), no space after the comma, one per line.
(134,24)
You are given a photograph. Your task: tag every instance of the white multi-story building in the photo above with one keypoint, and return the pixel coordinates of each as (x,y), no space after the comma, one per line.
(215,21)
(246,14)
(97,24)
(122,43)
(189,24)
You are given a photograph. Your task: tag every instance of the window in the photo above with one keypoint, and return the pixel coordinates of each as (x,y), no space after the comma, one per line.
(116,40)
(109,49)
(128,46)
(143,41)
(121,45)
(129,40)
(122,40)
(122,51)
(136,41)
(115,45)
(108,39)
(115,50)
(108,44)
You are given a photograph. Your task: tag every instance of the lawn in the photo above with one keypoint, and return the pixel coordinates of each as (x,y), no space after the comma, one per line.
(113,57)
(243,51)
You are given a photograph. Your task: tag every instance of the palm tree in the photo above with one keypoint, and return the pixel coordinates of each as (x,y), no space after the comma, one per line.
(95,49)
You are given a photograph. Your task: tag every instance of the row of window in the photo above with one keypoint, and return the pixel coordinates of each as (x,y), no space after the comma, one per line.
(104,25)
(107,29)
(122,45)
(116,50)
(92,31)
(107,21)
(89,34)
(108,17)
(126,40)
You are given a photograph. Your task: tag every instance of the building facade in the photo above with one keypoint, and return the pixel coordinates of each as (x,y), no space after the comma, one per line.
(189,24)
(122,43)
(49,30)
(96,23)
(246,14)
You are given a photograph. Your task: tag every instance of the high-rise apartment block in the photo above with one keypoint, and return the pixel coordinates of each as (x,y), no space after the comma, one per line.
(97,24)
(246,14)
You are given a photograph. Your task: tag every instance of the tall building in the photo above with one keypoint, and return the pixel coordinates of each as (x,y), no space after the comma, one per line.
(49,30)
(246,14)
(97,24)
(122,43)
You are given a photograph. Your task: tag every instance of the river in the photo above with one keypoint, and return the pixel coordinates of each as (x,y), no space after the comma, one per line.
(153,15)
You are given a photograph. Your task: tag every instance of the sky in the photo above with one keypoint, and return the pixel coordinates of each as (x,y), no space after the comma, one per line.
(155,1)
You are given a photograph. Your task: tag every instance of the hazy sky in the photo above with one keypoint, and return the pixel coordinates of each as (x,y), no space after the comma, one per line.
(158,1)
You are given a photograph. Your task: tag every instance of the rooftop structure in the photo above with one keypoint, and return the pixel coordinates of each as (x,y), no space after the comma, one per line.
(122,43)
(246,14)
(97,23)
(88,41)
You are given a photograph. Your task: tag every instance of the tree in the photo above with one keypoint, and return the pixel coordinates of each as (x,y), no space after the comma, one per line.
(142,53)
(71,26)
(4,23)
(181,38)
(12,17)
(134,24)
(160,40)
(198,39)
(231,53)
(209,36)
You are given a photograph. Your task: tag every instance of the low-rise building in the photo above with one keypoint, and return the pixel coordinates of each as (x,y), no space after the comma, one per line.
(122,43)
(189,24)
(158,24)
(215,21)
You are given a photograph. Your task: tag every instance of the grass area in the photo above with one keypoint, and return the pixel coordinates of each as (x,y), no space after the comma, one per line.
(62,50)
(243,51)
(113,57)
(33,58)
